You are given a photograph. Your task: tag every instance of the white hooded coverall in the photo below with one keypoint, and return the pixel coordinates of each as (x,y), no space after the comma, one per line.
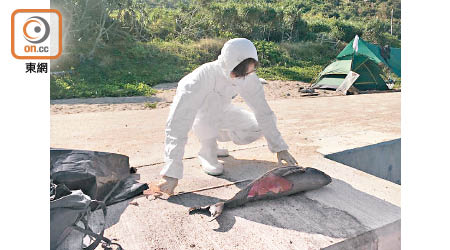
(203,102)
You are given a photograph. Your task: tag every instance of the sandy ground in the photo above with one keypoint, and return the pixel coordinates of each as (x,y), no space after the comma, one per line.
(274,90)
(354,203)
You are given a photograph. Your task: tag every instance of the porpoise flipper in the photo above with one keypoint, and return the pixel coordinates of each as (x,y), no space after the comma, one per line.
(214,210)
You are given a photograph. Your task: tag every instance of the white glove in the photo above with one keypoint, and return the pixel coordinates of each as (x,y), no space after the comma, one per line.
(286,157)
(167,185)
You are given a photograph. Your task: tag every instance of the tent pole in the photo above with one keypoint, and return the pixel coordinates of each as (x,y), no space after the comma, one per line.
(392,16)
(353,55)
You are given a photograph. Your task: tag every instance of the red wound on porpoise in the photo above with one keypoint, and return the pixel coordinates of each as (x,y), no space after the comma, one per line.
(272,183)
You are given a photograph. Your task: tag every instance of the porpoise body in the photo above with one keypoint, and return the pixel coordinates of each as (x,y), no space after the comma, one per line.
(275,183)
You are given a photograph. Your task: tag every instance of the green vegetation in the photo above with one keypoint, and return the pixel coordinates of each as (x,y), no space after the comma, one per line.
(122,48)
(150,105)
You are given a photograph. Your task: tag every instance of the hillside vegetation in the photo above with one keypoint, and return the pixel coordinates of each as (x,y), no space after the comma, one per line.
(123,47)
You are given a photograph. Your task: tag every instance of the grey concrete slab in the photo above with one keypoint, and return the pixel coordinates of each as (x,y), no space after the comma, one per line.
(384,238)
(382,159)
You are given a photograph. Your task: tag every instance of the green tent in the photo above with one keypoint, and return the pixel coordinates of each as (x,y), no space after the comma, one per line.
(365,62)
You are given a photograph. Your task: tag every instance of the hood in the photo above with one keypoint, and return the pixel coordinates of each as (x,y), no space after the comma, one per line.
(234,52)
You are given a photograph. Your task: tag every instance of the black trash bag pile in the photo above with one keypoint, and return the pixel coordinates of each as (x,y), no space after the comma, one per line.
(83,181)
(95,173)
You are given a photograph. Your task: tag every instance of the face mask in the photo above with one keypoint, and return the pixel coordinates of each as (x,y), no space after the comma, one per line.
(238,81)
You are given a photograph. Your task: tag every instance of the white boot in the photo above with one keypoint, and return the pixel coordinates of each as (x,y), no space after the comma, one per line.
(208,157)
(222,152)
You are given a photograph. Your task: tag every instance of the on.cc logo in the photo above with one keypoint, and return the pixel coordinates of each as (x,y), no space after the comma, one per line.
(39,26)
(36,34)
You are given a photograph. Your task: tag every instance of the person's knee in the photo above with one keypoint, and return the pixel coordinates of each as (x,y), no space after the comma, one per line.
(244,137)
(204,130)
(255,135)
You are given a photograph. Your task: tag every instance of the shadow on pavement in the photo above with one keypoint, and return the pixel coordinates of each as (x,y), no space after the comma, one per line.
(297,212)
(240,169)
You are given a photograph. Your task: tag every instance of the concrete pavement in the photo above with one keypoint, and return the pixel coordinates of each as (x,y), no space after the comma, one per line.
(352,206)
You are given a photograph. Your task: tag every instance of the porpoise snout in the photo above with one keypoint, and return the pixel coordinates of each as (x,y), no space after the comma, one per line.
(318,176)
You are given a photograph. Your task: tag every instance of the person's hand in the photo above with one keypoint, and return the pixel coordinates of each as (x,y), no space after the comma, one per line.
(166,185)
(286,157)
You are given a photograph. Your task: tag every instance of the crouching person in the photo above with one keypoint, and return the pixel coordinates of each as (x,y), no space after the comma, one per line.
(203,103)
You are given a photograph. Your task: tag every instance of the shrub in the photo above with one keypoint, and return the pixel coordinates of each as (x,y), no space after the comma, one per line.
(270,53)
(309,53)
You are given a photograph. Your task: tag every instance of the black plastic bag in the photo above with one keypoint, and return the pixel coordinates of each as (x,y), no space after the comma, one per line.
(102,176)
(67,208)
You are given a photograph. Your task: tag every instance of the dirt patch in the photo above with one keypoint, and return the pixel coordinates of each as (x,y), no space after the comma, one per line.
(162,99)
(274,90)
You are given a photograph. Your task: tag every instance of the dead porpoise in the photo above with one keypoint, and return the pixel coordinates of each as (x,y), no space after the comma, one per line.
(276,183)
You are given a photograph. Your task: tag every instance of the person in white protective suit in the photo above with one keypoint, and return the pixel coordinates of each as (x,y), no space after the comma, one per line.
(203,103)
